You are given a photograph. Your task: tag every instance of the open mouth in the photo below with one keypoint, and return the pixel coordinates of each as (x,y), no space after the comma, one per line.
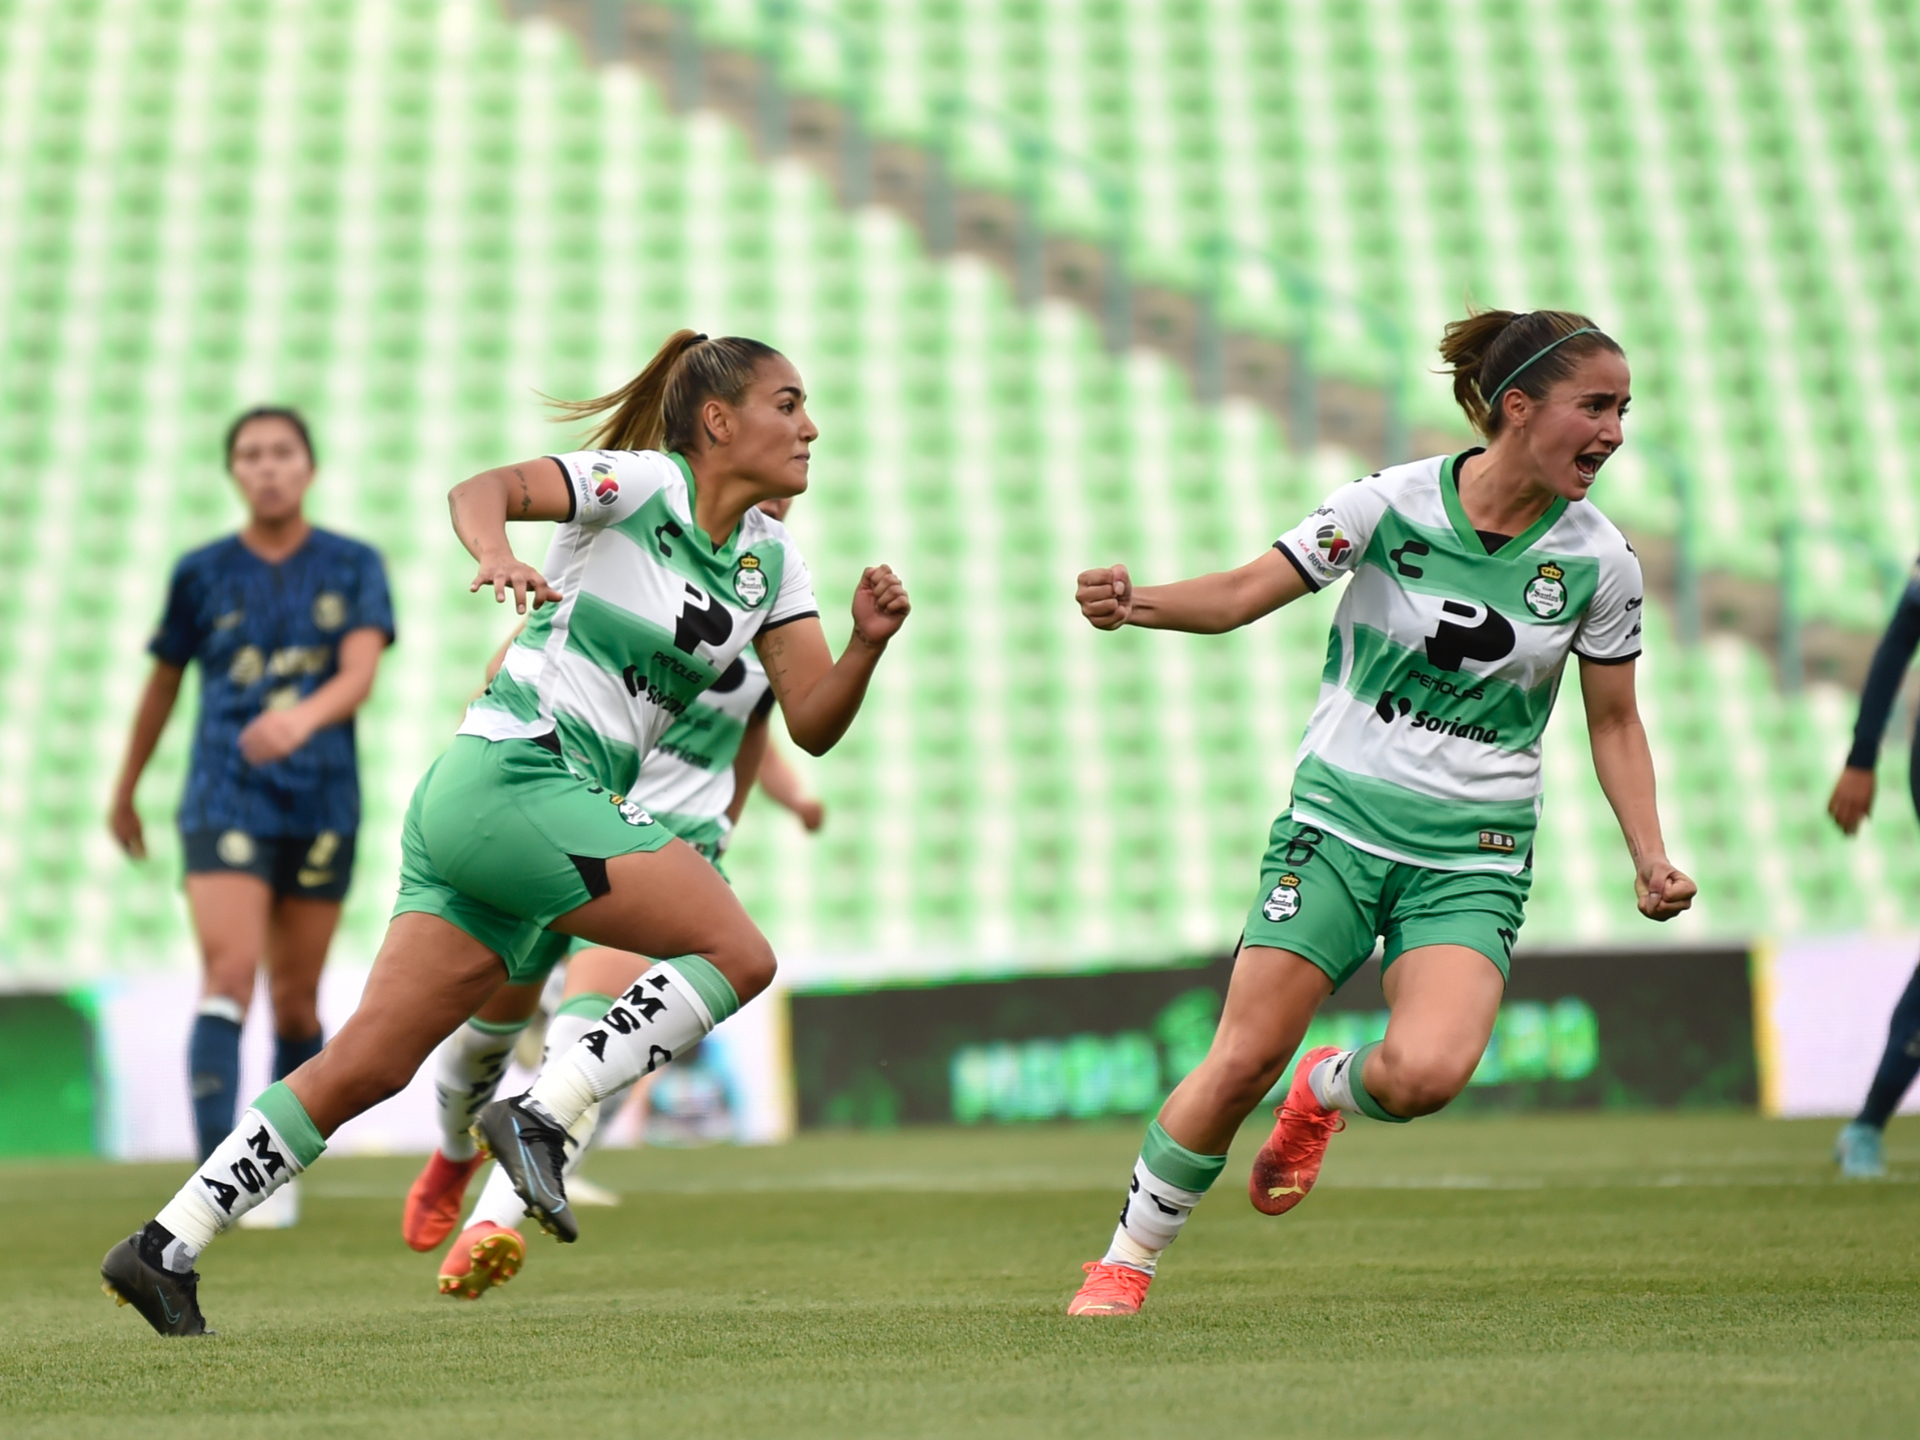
(1589,465)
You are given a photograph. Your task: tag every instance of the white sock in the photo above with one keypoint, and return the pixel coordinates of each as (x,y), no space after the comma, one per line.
(467,1070)
(1332,1082)
(498,1204)
(661,1015)
(244,1169)
(1150,1220)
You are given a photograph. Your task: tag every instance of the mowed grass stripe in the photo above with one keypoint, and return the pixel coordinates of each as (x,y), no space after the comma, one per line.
(1776,1301)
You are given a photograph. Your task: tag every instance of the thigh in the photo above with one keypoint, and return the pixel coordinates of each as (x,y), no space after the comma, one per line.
(1271,999)
(298,934)
(664,902)
(1442,1002)
(231,911)
(1318,900)
(429,976)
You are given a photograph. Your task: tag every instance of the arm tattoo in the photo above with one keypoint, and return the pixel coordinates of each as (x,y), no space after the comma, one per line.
(526,491)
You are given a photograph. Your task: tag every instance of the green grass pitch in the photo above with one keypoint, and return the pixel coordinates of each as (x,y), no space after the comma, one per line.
(1547,1276)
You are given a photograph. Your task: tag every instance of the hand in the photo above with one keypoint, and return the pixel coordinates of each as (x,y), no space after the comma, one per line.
(506,574)
(812,814)
(1852,799)
(880,605)
(1106,597)
(274,735)
(1662,890)
(124,821)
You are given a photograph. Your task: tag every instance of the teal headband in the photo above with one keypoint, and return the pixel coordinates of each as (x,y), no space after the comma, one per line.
(1507,384)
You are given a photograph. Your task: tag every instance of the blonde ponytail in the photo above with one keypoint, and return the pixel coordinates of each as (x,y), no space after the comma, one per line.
(659,409)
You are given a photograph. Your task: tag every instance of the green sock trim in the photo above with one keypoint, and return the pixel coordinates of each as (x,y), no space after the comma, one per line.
(1167,1158)
(497,1027)
(714,991)
(589,1003)
(289,1117)
(1368,1105)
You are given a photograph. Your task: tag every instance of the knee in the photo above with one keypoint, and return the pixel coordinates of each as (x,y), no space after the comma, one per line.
(1419,1083)
(749,966)
(296,1013)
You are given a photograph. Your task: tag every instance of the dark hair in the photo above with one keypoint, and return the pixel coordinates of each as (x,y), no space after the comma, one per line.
(270,412)
(1497,348)
(659,409)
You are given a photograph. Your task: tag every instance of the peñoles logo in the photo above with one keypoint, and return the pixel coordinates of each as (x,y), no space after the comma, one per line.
(1391,707)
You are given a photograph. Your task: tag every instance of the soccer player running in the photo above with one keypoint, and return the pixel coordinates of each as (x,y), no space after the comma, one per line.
(695,783)
(288,623)
(1858,1148)
(1417,786)
(663,572)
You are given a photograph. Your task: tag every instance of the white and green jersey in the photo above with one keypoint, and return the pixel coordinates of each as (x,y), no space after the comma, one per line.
(1444,662)
(687,782)
(651,614)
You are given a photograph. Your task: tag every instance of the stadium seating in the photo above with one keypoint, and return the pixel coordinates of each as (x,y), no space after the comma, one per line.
(413,217)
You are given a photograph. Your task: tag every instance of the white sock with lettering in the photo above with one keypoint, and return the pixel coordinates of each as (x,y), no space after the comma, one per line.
(274,1142)
(1150,1221)
(1332,1082)
(658,1017)
(466,1072)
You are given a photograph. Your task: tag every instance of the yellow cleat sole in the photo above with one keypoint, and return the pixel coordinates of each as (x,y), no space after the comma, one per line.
(493,1260)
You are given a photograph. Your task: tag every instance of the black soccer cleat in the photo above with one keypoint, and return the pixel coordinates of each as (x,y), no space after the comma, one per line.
(166,1300)
(533,1152)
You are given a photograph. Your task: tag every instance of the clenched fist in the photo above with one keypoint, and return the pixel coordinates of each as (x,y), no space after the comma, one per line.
(1105,596)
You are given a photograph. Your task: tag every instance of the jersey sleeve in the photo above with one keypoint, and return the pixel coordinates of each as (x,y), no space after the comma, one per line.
(1330,541)
(795,600)
(1609,632)
(609,485)
(177,640)
(372,604)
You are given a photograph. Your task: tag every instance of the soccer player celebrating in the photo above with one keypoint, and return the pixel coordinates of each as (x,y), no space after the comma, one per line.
(288,623)
(695,783)
(1857,1150)
(1417,786)
(663,573)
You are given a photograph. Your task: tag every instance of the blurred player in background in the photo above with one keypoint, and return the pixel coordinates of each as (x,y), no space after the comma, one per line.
(696,783)
(665,573)
(288,623)
(1417,788)
(1858,1148)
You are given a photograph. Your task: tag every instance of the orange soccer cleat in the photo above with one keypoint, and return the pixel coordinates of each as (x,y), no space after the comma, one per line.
(1110,1290)
(1289,1163)
(484,1256)
(433,1204)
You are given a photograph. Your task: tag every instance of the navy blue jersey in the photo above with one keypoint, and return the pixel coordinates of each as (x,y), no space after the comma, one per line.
(267,636)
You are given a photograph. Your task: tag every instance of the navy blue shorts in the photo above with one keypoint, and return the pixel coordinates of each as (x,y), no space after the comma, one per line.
(308,867)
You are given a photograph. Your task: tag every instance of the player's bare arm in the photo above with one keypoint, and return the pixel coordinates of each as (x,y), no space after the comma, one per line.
(275,734)
(1206,605)
(480,508)
(818,694)
(156,704)
(1624,763)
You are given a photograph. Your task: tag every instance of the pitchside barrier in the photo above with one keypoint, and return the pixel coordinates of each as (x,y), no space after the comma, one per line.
(1792,1027)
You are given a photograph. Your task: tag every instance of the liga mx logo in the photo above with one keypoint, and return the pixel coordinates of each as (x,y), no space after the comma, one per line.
(606,489)
(1334,545)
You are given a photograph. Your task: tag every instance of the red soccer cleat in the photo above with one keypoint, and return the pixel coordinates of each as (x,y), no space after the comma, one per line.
(484,1256)
(1110,1290)
(1289,1163)
(433,1204)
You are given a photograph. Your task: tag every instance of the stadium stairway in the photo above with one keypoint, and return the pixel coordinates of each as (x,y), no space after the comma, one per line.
(412,218)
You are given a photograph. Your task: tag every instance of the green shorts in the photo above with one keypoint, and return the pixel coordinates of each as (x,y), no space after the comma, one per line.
(1328,901)
(502,839)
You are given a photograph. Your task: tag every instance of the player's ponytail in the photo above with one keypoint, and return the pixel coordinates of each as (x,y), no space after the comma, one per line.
(1494,351)
(659,409)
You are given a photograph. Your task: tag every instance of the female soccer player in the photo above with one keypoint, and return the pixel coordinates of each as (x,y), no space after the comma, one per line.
(695,783)
(1417,786)
(1857,1150)
(288,623)
(664,573)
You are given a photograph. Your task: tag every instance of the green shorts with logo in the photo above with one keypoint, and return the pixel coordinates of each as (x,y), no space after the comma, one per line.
(1328,901)
(502,839)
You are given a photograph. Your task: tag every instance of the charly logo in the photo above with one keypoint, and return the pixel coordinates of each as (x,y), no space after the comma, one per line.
(329,610)
(1546,593)
(630,811)
(1283,901)
(606,489)
(750,581)
(235,848)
